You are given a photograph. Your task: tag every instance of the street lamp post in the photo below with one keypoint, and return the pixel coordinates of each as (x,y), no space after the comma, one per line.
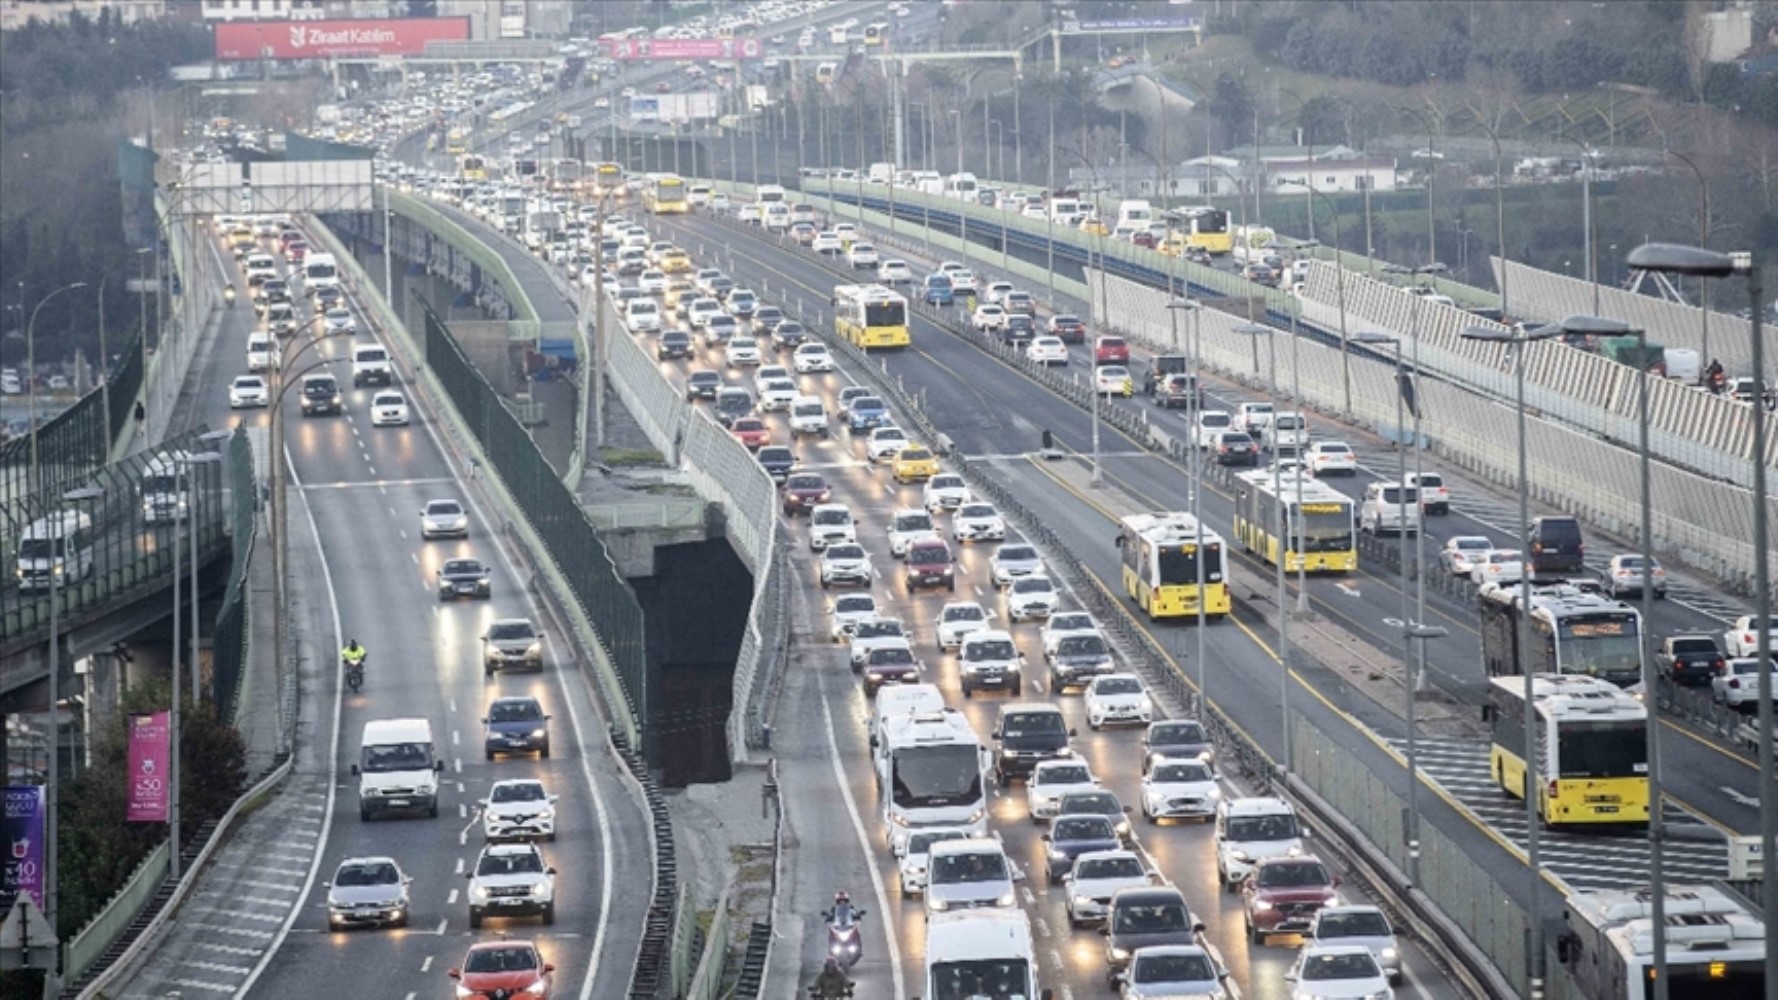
(1518,343)
(1432,268)
(1432,158)
(104,351)
(53,777)
(1668,258)
(1703,240)
(1499,214)
(1340,291)
(31,381)
(1259,330)
(191,515)
(1197,481)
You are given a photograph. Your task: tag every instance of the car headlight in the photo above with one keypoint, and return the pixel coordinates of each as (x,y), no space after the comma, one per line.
(464,992)
(478,891)
(940,905)
(1120,954)
(481,581)
(1390,955)
(1379,995)
(1057,854)
(978,815)
(1083,901)
(535,649)
(1331,899)
(1261,905)
(1006,900)
(537,988)
(539,733)
(1213,794)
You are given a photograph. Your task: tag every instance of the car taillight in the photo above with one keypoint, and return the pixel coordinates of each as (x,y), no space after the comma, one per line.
(1735,683)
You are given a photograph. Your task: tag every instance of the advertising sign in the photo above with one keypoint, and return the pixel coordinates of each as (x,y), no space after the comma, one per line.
(682,48)
(1134,24)
(23,830)
(358,38)
(150,756)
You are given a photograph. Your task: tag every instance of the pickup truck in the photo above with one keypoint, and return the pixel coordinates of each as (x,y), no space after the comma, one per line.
(1690,658)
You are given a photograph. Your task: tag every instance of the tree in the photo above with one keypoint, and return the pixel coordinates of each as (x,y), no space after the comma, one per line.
(1232,104)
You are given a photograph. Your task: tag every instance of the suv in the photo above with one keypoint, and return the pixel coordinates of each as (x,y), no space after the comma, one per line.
(1250,829)
(512,642)
(1435,496)
(1391,507)
(1691,658)
(988,658)
(1076,659)
(1111,351)
(1555,546)
(1283,895)
(831,524)
(321,394)
(929,565)
(511,880)
(1178,391)
(1028,732)
(1142,917)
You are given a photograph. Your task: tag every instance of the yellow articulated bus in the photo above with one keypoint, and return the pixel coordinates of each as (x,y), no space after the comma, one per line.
(457,142)
(1165,556)
(666,195)
(471,167)
(608,180)
(870,316)
(1592,746)
(1319,534)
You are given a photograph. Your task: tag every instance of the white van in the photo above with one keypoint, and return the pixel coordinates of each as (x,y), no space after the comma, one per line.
(1063,209)
(397,768)
(698,196)
(808,415)
(980,952)
(1389,507)
(58,548)
(370,365)
(961,186)
(262,352)
(777,217)
(320,271)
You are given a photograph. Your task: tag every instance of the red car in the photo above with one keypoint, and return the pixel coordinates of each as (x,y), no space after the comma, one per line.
(504,969)
(751,431)
(1111,351)
(1069,328)
(802,491)
(1282,895)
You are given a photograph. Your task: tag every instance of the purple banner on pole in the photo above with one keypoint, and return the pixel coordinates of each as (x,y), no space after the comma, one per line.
(23,830)
(150,735)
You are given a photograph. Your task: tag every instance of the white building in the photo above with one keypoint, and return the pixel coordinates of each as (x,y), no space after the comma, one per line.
(1375,173)
(18,13)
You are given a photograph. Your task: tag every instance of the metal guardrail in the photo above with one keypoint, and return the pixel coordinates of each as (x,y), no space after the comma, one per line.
(477,250)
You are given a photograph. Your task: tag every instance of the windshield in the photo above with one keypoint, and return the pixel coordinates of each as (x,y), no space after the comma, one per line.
(515,863)
(891,656)
(1393,495)
(1032,585)
(1180,771)
(1095,803)
(804,482)
(855,605)
(932,776)
(1324,527)
(1083,828)
(1081,645)
(387,757)
(976,510)
(913,522)
(1168,968)
(964,613)
(508,959)
(1603,645)
(1148,919)
(521,792)
(838,552)
(1358,924)
(921,843)
(1117,685)
(833,517)
(368,873)
(511,630)
(1351,965)
(462,567)
(1034,729)
(975,866)
(1016,553)
(1122,866)
(1252,829)
(514,711)
(984,979)
(1067,774)
(1177,734)
(879,628)
(989,650)
(1602,749)
(1296,874)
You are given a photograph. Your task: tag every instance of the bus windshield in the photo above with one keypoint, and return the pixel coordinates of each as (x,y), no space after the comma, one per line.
(1603,647)
(885,314)
(1179,564)
(43,548)
(949,775)
(1323,530)
(983,979)
(1602,749)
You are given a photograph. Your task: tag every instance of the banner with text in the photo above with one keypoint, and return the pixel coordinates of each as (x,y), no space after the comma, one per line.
(150,762)
(683,48)
(356,38)
(23,831)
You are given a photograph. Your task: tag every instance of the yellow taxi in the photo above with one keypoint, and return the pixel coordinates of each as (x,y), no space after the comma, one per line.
(1092,225)
(675,261)
(1173,245)
(913,464)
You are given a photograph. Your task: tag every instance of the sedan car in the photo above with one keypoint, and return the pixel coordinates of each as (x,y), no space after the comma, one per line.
(1117,698)
(740,350)
(388,409)
(1366,926)
(1172,970)
(751,431)
(367,892)
(1736,684)
(651,281)
(1030,598)
(742,303)
(517,809)
(811,358)
(825,241)
(890,664)
(866,413)
(1112,380)
(884,443)
(977,521)
(777,460)
(1011,562)
(988,317)
(1742,638)
(1176,739)
(1331,458)
(1052,779)
(845,564)
(1180,789)
(677,344)
(914,463)
(1067,328)
(1497,566)
(503,969)
(1071,836)
(766,318)
(846,611)
(1062,624)
(1047,351)
(444,519)
(803,492)
(512,642)
(1097,876)
(775,394)
(511,880)
(914,861)
(1235,448)
(515,725)
(1461,552)
(1077,659)
(248,391)
(1335,972)
(464,578)
(338,320)
(702,384)
(958,619)
(790,334)
(862,255)
(907,526)
(1624,575)
(872,634)
(895,272)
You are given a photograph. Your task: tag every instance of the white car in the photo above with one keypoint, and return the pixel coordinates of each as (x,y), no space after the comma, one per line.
(846,611)
(444,519)
(1501,566)
(811,358)
(977,521)
(1031,597)
(875,633)
(652,281)
(884,443)
(862,255)
(1736,684)
(825,241)
(1109,380)
(1052,779)
(1180,789)
(846,231)
(1366,926)
(1461,552)
(1011,562)
(1114,698)
(1096,877)
(744,351)
(1336,972)
(1047,351)
(914,857)
(1331,458)
(248,391)
(845,563)
(1063,624)
(511,880)
(906,526)
(945,491)
(775,394)
(699,311)
(996,292)
(1210,425)
(518,808)
(831,524)
(963,282)
(388,409)
(958,619)
(339,320)
(988,317)
(895,272)
(1742,638)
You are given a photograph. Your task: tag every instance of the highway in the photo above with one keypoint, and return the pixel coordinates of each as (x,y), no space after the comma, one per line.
(364,487)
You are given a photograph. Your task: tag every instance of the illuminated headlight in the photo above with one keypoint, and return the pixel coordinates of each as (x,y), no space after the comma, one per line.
(873,675)
(1123,828)
(978,815)
(1261,905)
(1120,954)
(940,905)
(535,649)
(464,992)
(1213,794)
(478,892)
(1006,900)
(1331,899)
(1057,854)
(1296,851)
(336,399)
(1381,995)
(538,734)
(900,820)
(1390,955)
(481,581)
(537,988)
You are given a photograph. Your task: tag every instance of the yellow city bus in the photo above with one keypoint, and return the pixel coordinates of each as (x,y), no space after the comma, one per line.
(608,180)
(876,34)
(1160,553)
(457,142)
(1592,741)
(870,316)
(1319,532)
(1208,229)
(666,195)
(471,167)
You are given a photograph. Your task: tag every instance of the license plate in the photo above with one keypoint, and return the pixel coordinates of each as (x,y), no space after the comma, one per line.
(396,802)
(465,588)
(1605,809)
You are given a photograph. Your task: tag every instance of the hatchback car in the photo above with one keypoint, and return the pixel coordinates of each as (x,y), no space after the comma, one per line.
(891,663)
(885,443)
(1330,972)
(1030,598)
(1736,684)
(1076,660)
(1050,780)
(464,578)
(1180,789)
(1117,699)
(1097,876)
(503,969)
(969,874)
(1742,637)
(515,725)
(388,409)
(895,272)
(929,564)
(1047,351)
(753,432)
(1235,448)
(804,491)
(518,809)
(1111,351)
(907,526)
(512,643)
(914,463)
(976,521)
(443,519)
(1176,739)
(846,612)
(1624,575)
(945,491)
(831,524)
(1011,562)
(367,892)
(1172,970)
(777,460)
(959,619)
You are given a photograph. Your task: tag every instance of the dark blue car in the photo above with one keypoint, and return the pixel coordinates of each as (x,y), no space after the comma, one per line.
(515,725)
(866,413)
(938,290)
(1071,836)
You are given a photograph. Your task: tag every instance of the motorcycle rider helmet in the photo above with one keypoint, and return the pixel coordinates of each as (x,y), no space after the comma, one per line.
(833,965)
(841,897)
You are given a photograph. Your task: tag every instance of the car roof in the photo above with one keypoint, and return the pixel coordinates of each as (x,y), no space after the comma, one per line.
(1257,805)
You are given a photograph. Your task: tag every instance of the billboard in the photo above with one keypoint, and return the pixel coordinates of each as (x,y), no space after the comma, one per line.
(23,840)
(1133,24)
(150,754)
(674,108)
(683,48)
(360,38)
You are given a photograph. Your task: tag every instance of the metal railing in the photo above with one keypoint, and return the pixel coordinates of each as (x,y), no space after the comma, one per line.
(229,642)
(76,441)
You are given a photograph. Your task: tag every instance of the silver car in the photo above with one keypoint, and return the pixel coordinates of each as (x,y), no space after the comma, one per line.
(444,519)
(1009,562)
(967,874)
(367,892)
(1461,553)
(1172,970)
(1096,877)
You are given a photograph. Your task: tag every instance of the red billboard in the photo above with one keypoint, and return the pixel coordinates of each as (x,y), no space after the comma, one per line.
(359,38)
(683,48)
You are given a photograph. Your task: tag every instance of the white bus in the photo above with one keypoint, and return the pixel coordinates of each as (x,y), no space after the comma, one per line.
(932,770)
(165,492)
(58,548)
(1715,945)
(765,196)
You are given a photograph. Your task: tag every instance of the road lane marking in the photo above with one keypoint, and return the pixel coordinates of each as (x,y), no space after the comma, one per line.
(864,844)
(425,966)
(451,900)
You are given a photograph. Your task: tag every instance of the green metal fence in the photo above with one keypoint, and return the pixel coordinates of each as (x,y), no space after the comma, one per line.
(126,385)
(76,441)
(229,643)
(553,511)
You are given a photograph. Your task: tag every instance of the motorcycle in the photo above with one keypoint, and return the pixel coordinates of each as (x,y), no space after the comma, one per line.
(844,944)
(355,675)
(228,295)
(817,993)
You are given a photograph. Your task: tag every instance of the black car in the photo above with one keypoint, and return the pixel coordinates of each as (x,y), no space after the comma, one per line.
(1028,734)
(515,725)
(777,460)
(701,384)
(720,287)
(464,578)
(1690,658)
(1145,917)
(1236,448)
(1077,660)
(1019,330)
(789,335)
(1175,739)
(767,318)
(1071,836)
(328,297)
(675,344)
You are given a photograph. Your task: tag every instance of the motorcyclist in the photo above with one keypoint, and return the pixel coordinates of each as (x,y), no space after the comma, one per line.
(353,655)
(228,294)
(1713,376)
(842,914)
(831,982)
